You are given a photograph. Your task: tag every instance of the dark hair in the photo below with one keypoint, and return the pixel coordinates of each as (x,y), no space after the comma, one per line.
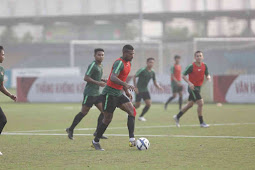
(177,56)
(149,59)
(98,49)
(127,47)
(1,48)
(197,52)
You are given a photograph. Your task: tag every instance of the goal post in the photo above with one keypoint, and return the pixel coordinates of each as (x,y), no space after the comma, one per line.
(227,55)
(110,43)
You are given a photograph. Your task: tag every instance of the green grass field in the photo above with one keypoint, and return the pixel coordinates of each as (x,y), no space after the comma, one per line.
(188,147)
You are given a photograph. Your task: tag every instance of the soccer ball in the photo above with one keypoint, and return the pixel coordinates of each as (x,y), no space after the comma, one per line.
(142,144)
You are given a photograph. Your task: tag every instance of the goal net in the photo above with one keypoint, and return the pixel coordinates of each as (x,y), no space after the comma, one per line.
(225,56)
(82,53)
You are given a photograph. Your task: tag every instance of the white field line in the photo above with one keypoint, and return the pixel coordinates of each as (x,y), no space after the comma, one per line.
(125,135)
(140,127)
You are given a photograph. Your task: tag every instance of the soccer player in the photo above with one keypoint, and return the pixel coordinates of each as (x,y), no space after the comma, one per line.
(113,97)
(144,75)
(94,80)
(3,119)
(176,81)
(196,71)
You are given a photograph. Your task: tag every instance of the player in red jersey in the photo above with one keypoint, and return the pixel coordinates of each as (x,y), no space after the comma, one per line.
(196,71)
(113,97)
(176,81)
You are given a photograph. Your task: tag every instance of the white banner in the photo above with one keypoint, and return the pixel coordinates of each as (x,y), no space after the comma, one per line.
(39,72)
(242,90)
(56,89)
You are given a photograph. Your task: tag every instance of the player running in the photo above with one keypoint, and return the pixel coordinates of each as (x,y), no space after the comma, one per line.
(3,119)
(144,75)
(196,71)
(93,77)
(113,97)
(176,81)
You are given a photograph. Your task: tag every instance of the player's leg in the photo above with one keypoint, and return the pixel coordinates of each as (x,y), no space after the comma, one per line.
(147,99)
(109,105)
(3,120)
(86,105)
(170,99)
(180,100)
(100,118)
(138,99)
(183,110)
(145,109)
(128,107)
(200,104)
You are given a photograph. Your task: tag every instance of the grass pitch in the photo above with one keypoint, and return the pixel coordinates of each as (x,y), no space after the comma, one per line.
(35,138)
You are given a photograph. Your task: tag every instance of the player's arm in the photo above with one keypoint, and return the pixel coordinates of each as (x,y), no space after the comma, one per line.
(208,77)
(117,68)
(104,80)
(6,92)
(187,71)
(134,79)
(127,93)
(156,83)
(88,78)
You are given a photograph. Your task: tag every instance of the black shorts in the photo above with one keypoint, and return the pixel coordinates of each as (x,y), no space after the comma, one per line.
(175,87)
(90,100)
(194,95)
(142,95)
(111,102)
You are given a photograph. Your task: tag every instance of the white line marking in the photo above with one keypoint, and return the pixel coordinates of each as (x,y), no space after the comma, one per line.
(125,135)
(140,127)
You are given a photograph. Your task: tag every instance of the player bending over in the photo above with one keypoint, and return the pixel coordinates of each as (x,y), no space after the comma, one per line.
(144,76)
(176,82)
(196,71)
(93,77)
(113,97)
(3,119)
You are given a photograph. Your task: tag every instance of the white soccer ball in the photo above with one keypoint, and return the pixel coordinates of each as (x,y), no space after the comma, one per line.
(142,144)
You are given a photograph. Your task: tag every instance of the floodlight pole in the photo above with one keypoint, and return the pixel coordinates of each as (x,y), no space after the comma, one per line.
(71,54)
(141,26)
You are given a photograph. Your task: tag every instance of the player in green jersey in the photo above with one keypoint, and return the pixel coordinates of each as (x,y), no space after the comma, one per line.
(3,119)
(144,75)
(91,94)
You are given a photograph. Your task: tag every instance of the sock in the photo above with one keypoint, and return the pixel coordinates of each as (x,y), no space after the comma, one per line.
(180,103)
(201,119)
(179,115)
(100,132)
(145,109)
(131,126)
(169,100)
(76,120)
(99,120)
(3,120)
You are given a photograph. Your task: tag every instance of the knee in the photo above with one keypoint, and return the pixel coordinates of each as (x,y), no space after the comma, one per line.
(148,105)
(200,104)
(190,105)
(137,105)
(107,119)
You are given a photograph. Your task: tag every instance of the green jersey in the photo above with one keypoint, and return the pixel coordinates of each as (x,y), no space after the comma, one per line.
(144,76)
(94,71)
(1,74)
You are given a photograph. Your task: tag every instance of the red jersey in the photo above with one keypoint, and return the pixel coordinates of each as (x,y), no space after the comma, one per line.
(176,70)
(196,73)
(122,68)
